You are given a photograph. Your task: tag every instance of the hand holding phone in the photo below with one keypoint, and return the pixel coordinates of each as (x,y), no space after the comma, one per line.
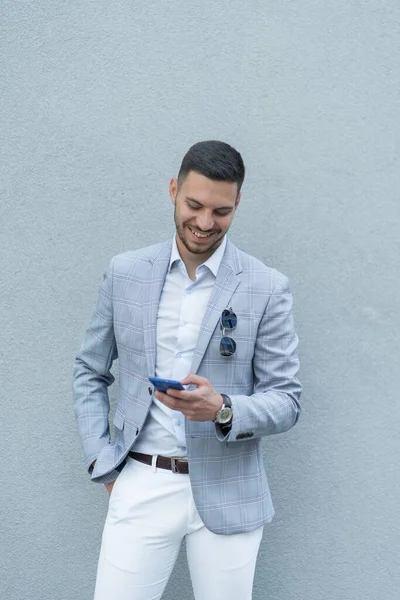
(161,385)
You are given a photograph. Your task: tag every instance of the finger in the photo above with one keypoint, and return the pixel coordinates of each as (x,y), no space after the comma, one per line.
(170,401)
(180,394)
(163,397)
(169,393)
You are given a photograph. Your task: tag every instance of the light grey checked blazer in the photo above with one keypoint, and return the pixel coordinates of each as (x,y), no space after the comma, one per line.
(228,480)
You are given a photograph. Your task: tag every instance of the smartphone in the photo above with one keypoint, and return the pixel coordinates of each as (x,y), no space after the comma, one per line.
(163,384)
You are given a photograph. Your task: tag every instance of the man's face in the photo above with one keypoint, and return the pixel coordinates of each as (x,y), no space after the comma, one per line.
(204,210)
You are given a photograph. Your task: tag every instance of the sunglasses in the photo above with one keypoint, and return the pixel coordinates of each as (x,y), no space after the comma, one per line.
(228,321)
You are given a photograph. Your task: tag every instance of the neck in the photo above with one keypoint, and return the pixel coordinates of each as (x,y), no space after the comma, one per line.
(191,260)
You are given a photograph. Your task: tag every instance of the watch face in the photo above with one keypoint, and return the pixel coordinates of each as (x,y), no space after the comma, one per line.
(224,415)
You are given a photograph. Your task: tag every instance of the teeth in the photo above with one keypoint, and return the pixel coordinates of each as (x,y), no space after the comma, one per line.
(200,235)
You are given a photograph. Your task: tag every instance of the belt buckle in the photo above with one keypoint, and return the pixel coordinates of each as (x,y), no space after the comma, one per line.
(174,466)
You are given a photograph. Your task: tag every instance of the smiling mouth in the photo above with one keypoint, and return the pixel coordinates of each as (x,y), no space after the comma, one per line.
(200,236)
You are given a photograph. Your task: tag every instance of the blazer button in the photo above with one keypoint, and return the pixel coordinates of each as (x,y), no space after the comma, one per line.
(150,391)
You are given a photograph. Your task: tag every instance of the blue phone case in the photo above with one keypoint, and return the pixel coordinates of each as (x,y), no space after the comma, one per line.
(163,384)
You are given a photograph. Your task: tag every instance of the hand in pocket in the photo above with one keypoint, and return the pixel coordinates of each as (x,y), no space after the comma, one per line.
(109,487)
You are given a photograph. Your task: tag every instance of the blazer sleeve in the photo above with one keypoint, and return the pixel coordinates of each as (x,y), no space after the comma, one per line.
(92,374)
(274,406)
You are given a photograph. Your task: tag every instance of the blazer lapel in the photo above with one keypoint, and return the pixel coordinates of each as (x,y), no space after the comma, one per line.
(158,267)
(226,282)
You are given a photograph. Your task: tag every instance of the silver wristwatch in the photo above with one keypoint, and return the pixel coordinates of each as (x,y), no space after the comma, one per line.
(224,415)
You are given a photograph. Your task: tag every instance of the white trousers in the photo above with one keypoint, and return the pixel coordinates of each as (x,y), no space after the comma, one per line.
(150,512)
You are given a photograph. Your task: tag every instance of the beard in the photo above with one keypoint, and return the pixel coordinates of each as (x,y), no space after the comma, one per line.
(193,247)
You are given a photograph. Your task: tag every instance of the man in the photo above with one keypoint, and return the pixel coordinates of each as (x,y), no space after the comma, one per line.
(187,464)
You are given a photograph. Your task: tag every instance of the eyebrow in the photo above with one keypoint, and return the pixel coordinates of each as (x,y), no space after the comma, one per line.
(200,204)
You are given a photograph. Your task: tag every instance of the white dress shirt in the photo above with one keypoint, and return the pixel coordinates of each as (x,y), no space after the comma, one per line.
(180,313)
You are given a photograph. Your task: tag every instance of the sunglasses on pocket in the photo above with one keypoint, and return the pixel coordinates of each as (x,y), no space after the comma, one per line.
(228,322)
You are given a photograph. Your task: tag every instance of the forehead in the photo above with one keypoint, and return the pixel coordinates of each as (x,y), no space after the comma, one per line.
(208,191)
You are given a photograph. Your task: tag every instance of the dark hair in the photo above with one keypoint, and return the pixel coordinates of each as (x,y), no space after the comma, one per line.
(215,160)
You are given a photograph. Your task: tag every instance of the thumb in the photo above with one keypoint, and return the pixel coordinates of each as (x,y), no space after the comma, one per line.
(194,379)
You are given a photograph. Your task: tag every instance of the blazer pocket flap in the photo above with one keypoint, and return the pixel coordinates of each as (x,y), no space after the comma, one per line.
(119,419)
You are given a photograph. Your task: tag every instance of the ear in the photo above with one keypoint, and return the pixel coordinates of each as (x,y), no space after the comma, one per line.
(237,201)
(173,189)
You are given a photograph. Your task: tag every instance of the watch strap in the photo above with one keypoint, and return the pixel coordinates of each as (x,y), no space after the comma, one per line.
(226,400)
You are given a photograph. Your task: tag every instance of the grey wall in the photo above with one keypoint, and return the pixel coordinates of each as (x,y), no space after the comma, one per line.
(99,101)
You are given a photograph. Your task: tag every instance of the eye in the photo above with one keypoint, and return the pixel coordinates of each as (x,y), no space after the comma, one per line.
(194,207)
(224,213)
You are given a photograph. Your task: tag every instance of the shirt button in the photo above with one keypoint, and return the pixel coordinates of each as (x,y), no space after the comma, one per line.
(179,355)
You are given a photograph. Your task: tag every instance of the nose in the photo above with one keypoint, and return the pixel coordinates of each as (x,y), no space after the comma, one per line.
(205,221)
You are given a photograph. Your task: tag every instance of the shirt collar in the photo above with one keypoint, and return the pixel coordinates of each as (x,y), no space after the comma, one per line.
(212,263)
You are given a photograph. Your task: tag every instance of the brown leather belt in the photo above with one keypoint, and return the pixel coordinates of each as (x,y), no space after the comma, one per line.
(176,465)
